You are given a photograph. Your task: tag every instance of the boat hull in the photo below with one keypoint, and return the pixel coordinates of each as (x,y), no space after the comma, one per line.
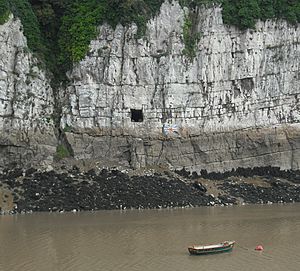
(210,250)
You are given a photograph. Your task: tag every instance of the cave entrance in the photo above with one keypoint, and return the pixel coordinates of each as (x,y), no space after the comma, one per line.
(137,115)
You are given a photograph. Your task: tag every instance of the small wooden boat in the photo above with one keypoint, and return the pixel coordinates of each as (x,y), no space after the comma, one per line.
(225,246)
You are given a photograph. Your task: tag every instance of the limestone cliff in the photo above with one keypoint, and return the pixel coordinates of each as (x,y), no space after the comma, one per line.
(235,104)
(26,102)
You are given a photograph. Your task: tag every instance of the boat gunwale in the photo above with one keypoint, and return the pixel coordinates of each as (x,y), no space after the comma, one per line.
(221,247)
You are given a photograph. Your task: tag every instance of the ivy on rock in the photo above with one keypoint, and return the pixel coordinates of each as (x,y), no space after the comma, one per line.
(59,31)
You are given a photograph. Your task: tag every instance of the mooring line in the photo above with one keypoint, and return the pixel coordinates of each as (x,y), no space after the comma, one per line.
(262,253)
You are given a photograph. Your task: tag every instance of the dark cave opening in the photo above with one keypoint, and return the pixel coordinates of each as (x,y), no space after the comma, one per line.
(137,115)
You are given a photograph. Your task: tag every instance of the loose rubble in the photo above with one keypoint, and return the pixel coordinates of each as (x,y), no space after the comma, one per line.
(278,192)
(76,191)
(73,190)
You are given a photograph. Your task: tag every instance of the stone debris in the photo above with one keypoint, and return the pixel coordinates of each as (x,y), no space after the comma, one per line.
(74,191)
(109,189)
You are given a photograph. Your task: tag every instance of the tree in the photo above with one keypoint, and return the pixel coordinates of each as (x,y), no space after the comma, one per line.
(248,13)
(267,10)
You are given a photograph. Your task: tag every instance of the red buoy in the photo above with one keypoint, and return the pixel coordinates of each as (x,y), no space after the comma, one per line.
(259,248)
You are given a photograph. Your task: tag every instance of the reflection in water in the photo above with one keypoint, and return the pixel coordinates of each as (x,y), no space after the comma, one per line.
(152,239)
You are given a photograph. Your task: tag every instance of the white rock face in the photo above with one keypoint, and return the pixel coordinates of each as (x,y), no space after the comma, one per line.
(26,102)
(236,104)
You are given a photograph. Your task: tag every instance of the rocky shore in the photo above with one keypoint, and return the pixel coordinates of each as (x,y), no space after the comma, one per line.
(32,190)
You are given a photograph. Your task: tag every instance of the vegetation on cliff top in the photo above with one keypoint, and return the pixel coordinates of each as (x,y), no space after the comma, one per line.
(22,9)
(4,11)
(61,30)
(244,13)
(81,18)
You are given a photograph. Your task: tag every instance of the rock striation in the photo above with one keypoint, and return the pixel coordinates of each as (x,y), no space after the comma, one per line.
(235,104)
(140,102)
(26,102)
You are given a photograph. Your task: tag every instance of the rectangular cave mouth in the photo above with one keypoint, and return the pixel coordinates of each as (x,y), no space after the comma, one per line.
(137,115)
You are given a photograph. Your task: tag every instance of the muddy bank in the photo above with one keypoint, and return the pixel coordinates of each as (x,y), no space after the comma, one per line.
(31,190)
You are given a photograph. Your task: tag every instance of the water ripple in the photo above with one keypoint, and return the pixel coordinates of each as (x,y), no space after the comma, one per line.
(152,240)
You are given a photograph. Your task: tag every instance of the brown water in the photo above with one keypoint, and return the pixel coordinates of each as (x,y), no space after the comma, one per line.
(152,240)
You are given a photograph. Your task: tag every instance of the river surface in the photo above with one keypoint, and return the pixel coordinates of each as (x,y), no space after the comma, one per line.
(152,239)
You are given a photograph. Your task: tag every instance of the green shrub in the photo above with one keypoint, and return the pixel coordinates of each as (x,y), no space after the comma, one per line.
(4,11)
(197,3)
(22,9)
(62,152)
(267,10)
(244,13)
(60,31)
(81,18)
(190,37)
(67,129)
